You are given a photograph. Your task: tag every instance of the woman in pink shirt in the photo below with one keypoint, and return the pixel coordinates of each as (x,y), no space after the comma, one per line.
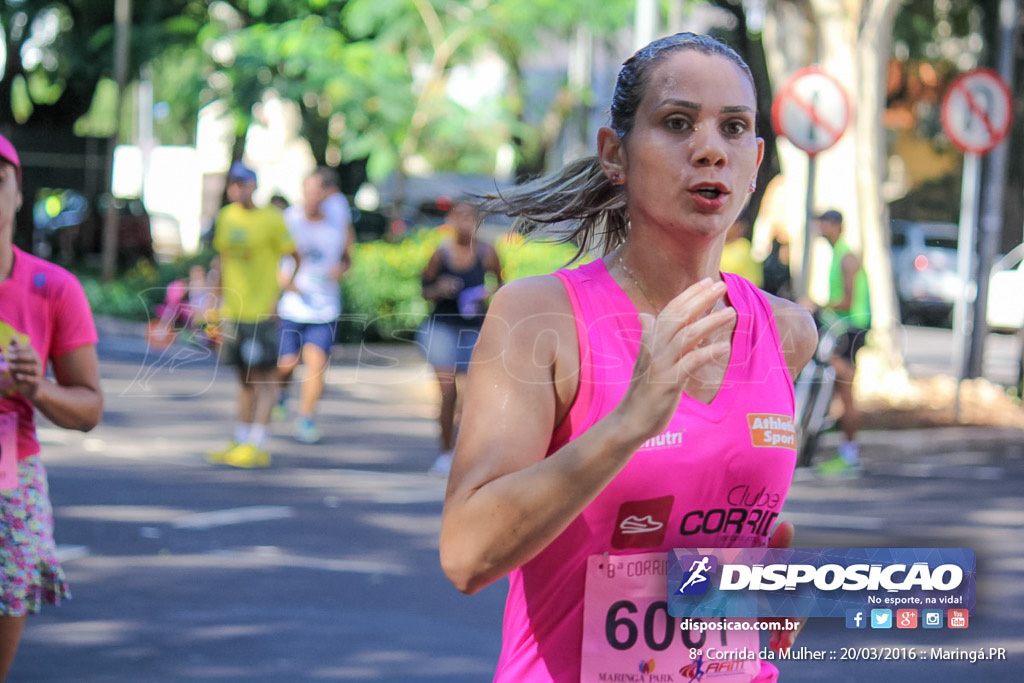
(44,319)
(641,402)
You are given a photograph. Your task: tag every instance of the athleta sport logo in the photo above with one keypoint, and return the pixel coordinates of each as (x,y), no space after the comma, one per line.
(696,580)
(641,523)
(768,430)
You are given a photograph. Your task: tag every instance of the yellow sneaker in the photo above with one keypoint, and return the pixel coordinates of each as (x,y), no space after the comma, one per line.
(217,457)
(247,456)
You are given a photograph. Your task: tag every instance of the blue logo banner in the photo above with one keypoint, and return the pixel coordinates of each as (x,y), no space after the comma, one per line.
(817,582)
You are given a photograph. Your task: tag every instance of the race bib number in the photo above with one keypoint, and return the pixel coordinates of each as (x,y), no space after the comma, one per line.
(8,451)
(628,634)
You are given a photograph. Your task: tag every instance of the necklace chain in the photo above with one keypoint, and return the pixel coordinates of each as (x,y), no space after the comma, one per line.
(657,309)
(636,282)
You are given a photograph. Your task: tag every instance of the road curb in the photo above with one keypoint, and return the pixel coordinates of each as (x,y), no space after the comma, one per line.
(907,441)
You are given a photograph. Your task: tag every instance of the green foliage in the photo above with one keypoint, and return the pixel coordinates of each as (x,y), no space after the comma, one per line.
(66,47)
(135,294)
(178,70)
(381,68)
(528,257)
(357,64)
(922,26)
(381,293)
(100,120)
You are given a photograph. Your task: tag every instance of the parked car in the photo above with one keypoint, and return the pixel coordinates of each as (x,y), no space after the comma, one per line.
(68,227)
(57,217)
(1005,310)
(924,256)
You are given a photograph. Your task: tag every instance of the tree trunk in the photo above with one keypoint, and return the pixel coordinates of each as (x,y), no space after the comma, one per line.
(850,39)
(790,44)
(873,48)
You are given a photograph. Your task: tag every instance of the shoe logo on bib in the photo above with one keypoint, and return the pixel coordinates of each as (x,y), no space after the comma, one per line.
(641,523)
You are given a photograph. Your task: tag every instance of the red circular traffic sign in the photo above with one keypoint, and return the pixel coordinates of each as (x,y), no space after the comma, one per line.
(977,111)
(811,110)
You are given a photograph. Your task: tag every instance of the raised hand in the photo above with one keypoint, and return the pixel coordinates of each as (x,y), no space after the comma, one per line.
(674,347)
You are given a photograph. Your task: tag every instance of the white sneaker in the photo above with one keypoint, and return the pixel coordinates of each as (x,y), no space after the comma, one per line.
(306,431)
(442,465)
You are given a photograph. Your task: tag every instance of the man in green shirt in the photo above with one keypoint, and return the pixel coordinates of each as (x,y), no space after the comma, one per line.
(848,316)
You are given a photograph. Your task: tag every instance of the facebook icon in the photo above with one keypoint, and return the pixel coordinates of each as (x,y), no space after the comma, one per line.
(855,618)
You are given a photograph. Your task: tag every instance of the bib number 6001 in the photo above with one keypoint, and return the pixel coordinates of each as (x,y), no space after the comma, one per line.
(622,631)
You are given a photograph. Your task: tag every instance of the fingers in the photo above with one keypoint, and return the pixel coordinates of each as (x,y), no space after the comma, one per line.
(679,338)
(19,354)
(782,640)
(647,325)
(695,301)
(25,368)
(673,348)
(783,536)
(693,314)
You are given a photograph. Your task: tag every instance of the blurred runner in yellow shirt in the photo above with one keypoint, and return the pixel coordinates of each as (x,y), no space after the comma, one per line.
(250,242)
(736,256)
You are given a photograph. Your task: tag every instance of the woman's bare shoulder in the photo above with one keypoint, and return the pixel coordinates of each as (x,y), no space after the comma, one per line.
(797,331)
(534,296)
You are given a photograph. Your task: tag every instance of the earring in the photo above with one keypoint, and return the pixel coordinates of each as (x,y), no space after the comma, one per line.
(614,179)
(753,185)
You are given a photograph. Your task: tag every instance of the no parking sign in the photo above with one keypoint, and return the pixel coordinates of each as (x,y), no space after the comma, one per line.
(977,111)
(811,110)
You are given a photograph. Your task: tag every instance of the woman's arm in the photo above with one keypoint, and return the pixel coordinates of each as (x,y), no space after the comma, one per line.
(506,501)
(436,286)
(74,400)
(797,333)
(493,264)
(799,338)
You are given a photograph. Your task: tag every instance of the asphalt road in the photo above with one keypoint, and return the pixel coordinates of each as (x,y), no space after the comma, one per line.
(928,351)
(324,567)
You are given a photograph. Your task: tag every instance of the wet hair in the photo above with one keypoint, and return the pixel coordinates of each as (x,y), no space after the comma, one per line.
(580,195)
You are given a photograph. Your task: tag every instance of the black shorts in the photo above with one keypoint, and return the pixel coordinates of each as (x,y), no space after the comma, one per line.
(849,343)
(250,345)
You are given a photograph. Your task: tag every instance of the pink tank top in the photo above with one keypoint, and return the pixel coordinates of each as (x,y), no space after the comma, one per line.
(716,477)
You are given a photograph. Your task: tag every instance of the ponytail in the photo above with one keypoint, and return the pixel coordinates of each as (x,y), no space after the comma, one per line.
(579,195)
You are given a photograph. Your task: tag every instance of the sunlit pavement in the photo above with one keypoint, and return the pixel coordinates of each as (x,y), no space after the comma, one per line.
(324,566)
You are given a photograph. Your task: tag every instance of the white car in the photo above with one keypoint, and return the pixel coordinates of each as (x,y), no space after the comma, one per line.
(924,259)
(1005,310)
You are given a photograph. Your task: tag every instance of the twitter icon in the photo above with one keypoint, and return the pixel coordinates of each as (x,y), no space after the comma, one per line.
(881,618)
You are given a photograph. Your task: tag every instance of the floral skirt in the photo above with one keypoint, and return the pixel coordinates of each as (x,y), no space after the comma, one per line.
(30,574)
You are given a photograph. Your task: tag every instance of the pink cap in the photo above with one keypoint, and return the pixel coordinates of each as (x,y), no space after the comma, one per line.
(10,155)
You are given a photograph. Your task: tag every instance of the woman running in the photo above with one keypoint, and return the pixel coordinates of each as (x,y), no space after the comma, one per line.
(619,410)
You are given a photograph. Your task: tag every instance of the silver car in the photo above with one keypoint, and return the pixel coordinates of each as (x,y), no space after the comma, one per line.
(925,267)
